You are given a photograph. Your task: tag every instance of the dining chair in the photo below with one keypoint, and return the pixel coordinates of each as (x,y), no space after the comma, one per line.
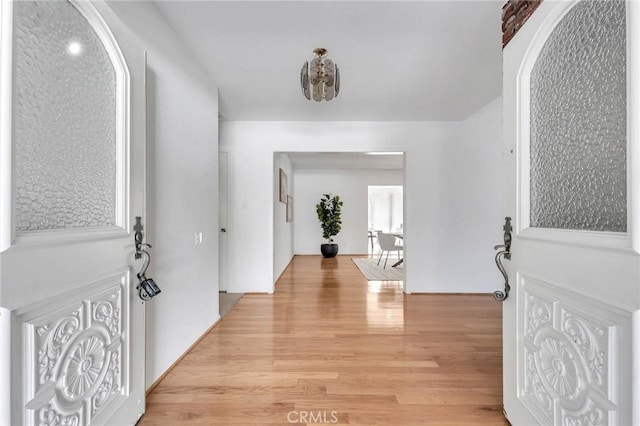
(387,243)
(372,237)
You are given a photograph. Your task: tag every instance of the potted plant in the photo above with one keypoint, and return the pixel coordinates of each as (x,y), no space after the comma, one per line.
(329,210)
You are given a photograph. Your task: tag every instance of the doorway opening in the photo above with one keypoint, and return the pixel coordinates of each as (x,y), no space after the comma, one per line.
(385,207)
(309,175)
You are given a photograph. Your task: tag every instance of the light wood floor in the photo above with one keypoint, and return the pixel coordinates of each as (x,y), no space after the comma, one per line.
(329,347)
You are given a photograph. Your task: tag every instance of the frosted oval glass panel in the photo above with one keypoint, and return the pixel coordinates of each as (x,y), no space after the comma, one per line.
(578,122)
(64,120)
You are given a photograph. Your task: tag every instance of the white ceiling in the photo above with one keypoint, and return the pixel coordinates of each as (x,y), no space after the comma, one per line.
(346,160)
(399,61)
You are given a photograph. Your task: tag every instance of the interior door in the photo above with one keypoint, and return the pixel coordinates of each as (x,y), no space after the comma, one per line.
(71,182)
(571,131)
(223,183)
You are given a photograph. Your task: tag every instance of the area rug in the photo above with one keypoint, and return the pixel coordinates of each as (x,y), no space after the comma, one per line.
(373,272)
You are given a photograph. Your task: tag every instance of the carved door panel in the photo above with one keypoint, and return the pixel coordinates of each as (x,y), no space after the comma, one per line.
(572,162)
(71,180)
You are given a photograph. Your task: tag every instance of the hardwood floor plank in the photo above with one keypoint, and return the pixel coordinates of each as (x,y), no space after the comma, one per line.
(330,346)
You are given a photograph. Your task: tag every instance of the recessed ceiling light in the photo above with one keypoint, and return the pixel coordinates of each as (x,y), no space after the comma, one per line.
(74,48)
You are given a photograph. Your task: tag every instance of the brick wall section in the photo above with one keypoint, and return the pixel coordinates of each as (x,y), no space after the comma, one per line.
(514,14)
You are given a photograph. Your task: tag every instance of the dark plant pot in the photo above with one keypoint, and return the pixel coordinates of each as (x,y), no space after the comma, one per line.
(329,250)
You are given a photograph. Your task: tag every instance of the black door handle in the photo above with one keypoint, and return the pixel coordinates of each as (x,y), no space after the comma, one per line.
(504,253)
(223,229)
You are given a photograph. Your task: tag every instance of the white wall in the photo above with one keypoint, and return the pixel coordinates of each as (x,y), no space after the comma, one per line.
(475,214)
(182,188)
(282,230)
(442,161)
(351,186)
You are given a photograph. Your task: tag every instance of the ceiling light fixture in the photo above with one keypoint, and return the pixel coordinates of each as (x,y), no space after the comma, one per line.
(74,48)
(320,79)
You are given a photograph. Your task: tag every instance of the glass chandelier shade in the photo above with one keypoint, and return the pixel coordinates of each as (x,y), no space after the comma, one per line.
(320,79)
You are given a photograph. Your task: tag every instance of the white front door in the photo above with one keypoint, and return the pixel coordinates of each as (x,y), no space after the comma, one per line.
(571,136)
(71,182)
